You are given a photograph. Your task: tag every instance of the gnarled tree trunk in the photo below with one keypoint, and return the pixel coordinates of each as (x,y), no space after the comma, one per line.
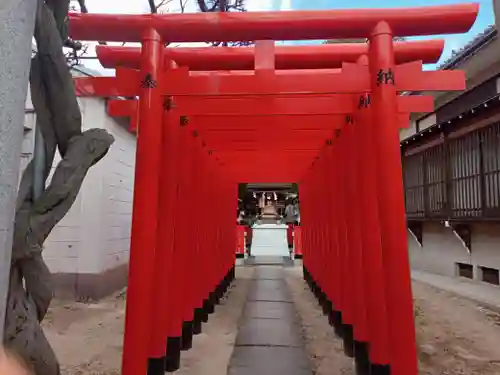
(59,119)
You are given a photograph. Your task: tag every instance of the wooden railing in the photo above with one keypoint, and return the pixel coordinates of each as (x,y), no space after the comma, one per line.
(456,179)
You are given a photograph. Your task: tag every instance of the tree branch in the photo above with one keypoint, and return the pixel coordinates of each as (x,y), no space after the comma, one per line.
(182,4)
(57,79)
(83,6)
(223,6)
(202,5)
(155,7)
(152,6)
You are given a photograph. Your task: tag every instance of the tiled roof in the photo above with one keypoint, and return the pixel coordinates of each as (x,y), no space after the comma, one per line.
(466,51)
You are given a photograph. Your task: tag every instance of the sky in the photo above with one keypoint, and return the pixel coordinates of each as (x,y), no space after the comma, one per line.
(453,42)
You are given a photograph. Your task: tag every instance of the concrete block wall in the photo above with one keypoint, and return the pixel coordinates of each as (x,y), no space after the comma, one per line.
(88,251)
(117,197)
(442,249)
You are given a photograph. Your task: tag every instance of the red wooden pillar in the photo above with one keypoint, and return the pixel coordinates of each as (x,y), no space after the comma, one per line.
(221,219)
(328,226)
(323,233)
(228,232)
(222,227)
(194,193)
(391,198)
(230,258)
(308,206)
(210,204)
(336,243)
(197,196)
(297,242)
(210,242)
(207,202)
(145,208)
(326,230)
(310,220)
(318,214)
(162,358)
(317,228)
(303,192)
(224,219)
(305,206)
(351,273)
(313,215)
(311,227)
(372,248)
(173,272)
(345,283)
(304,209)
(206,226)
(335,277)
(206,230)
(356,250)
(240,241)
(310,232)
(183,235)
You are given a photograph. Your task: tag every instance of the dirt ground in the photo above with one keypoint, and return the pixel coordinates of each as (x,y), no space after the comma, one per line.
(88,337)
(324,348)
(455,336)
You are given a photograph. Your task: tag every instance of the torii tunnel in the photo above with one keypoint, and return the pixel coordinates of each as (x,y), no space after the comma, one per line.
(326,117)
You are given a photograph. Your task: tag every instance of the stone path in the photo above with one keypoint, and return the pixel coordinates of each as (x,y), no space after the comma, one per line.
(270,260)
(269,341)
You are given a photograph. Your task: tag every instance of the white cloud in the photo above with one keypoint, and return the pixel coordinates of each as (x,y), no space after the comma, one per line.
(259,5)
(286,5)
(117,6)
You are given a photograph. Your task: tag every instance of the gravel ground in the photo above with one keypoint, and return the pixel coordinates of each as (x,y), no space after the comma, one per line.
(88,337)
(455,335)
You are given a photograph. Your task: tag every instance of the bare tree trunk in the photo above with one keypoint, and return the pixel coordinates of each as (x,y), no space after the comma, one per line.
(59,119)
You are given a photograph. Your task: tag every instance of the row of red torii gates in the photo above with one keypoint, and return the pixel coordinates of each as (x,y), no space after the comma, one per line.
(325,116)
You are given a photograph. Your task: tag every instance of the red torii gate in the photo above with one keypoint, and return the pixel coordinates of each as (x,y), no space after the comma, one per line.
(205,86)
(389,347)
(294,133)
(326,56)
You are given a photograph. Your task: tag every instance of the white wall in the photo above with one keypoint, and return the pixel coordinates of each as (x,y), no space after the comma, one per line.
(117,197)
(427,122)
(95,234)
(407,132)
(442,249)
(29,134)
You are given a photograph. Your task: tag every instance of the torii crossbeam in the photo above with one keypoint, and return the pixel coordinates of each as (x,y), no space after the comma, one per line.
(325,56)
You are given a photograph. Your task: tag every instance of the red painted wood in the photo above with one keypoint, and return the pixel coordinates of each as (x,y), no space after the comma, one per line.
(291,25)
(325,56)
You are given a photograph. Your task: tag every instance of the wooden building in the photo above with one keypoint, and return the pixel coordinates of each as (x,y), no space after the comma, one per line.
(451,171)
